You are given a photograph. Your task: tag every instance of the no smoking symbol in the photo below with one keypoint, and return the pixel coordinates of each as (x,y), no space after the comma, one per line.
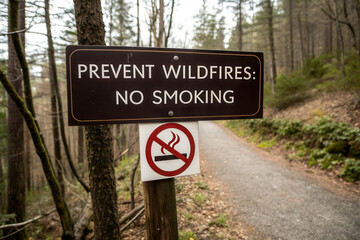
(155,141)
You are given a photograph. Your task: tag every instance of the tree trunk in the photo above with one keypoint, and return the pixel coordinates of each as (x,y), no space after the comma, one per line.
(160,42)
(269,8)
(239,29)
(313,37)
(331,37)
(301,42)
(307,27)
(28,161)
(358,21)
(124,137)
(16,165)
(340,39)
(54,109)
(102,182)
(111,25)
(2,190)
(80,145)
(133,139)
(138,23)
(291,35)
(168,33)
(132,180)
(90,29)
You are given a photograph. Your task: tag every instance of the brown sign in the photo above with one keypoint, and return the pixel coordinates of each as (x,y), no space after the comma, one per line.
(128,84)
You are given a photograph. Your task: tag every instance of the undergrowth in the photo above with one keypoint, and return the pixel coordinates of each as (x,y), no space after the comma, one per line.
(325,143)
(322,73)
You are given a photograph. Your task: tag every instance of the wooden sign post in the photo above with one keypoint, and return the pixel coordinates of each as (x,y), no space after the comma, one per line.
(160,209)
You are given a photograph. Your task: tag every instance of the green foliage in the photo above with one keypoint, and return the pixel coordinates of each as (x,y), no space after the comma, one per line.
(324,143)
(199,199)
(186,235)
(324,159)
(209,32)
(279,127)
(338,147)
(232,43)
(333,80)
(267,143)
(202,185)
(314,67)
(122,23)
(325,132)
(289,90)
(351,170)
(219,221)
(123,171)
(352,79)
(322,72)
(189,216)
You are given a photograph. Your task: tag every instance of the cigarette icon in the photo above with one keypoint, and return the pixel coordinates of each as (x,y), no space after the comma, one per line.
(168,157)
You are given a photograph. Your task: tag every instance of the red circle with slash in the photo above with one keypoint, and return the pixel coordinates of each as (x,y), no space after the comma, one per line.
(154,138)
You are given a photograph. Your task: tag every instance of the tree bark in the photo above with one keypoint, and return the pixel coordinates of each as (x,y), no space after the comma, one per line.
(168,33)
(340,38)
(357,4)
(307,28)
(13,23)
(16,163)
(111,25)
(291,35)
(160,42)
(138,23)
(90,29)
(239,29)
(132,180)
(62,131)
(54,109)
(2,200)
(27,161)
(330,37)
(334,16)
(102,182)
(269,9)
(57,111)
(81,145)
(301,41)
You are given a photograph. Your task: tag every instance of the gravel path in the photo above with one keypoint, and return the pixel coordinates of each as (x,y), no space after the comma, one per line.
(275,200)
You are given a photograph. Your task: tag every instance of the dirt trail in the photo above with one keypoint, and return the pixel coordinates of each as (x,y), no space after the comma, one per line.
(276,201)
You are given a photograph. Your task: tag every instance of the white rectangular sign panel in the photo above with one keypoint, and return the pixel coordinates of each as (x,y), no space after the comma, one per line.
(169,150)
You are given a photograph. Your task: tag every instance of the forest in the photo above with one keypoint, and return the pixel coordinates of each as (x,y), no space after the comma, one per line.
(49,169)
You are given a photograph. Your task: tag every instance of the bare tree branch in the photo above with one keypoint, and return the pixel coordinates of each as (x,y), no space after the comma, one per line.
(15,32)
(27,222)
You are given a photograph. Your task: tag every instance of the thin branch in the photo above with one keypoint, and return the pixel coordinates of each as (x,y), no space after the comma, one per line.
(132,220)
(27,222)
(15,32)
(13,233)
(131,214)
(132,178)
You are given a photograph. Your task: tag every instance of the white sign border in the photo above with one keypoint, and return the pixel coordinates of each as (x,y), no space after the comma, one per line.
(147,173)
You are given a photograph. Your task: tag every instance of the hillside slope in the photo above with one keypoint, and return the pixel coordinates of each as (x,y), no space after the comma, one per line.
(342,106)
